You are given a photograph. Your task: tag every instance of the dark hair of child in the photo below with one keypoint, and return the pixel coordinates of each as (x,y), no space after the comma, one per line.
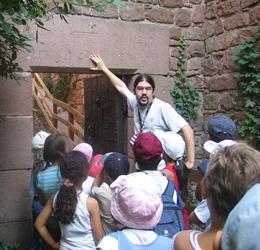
(113,169)
(73,167)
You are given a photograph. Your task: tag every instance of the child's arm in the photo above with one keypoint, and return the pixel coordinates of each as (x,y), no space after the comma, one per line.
(40,225)
(93,208)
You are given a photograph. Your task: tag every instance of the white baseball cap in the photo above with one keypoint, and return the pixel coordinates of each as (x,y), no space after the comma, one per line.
(213,147)
(173,144)
(39,139)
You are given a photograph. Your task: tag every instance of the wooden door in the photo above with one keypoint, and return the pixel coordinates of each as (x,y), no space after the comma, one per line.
(105,116)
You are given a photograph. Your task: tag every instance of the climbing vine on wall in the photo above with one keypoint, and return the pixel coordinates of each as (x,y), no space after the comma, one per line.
(186,96)
(247,60)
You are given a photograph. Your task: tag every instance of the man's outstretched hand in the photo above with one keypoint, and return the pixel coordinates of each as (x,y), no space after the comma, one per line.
(97,60)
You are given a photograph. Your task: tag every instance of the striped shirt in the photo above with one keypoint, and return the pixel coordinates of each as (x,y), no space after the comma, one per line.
(49,181)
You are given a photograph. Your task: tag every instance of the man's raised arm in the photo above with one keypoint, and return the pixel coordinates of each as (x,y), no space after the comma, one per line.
(117,83)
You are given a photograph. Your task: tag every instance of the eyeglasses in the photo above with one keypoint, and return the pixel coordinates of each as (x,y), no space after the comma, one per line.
(144,88)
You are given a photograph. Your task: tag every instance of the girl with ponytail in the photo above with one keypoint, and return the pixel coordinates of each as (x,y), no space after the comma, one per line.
(77,213)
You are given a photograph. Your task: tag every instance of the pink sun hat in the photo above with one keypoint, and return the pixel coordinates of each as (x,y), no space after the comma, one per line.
(136,201)
(86,149)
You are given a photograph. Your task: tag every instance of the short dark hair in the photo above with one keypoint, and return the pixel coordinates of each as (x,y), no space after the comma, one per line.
(145,78)
(54,147)
(116,164)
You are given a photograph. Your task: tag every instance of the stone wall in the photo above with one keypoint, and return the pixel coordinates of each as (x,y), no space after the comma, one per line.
(212,28)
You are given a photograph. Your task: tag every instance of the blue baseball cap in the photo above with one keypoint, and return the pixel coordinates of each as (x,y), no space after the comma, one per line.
(221,128)
(202,167)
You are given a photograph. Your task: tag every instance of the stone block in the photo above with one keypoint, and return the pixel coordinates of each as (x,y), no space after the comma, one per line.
(222,82)
(15,202)
(236,21)
(227,60)
(194,63)
(55,47)
(16,139)
(232,38)
(228,7)
(254,15)
(209,66)
(216,43)
(132,12)
(173,63)
(175,33)
(160,15)
(163,87)
(183,17)
(110,11)
(208,29)
(226,101)
(247,3)
(19,232)
(16,97)
(174,51)
(194,33)
(211,10)
(198,14)
(196,49)
(199,82)
(171,4)
(211,101)
(219,26)
(246,34)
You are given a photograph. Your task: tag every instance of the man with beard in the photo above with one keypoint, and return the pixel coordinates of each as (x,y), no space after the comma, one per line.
(150,113)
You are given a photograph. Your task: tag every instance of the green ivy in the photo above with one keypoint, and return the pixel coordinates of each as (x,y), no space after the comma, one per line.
(187,99)
(246,59)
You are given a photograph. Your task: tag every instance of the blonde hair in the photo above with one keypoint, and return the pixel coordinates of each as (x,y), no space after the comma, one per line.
(231,172)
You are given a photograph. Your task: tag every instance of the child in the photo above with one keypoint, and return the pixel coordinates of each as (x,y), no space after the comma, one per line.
(148,153)
(115,164)
(77,213)
(87,150)
(236,233)
(222,133)
(136,204)
(46,178)
(175,170)
(231,172)
(37,148)
(46,175)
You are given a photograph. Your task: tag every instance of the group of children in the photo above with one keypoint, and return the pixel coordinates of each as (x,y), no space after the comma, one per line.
(86,202)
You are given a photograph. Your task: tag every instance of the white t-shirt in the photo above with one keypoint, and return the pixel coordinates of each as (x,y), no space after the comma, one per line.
(161,116)
(87,184)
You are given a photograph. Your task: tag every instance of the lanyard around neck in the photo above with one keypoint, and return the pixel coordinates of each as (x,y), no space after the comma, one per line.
(141,122)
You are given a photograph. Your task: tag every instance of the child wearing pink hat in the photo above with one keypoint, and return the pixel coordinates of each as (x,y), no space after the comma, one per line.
(136,205)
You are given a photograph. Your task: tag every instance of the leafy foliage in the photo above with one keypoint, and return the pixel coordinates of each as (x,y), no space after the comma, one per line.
(187,99)
(16,14)
(247,61)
